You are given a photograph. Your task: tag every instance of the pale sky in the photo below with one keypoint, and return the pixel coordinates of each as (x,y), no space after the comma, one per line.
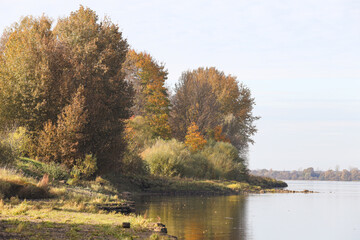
(300,58)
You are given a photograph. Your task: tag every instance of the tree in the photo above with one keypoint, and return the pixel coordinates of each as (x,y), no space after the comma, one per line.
(193,139)
(151,98)
(138,134)
(28,95)
(227,104)
(239,125)
(70,129)
(62,142)
(47,146)
(41,69)
(309,173)
(95,53)
(219,136)
(195,102)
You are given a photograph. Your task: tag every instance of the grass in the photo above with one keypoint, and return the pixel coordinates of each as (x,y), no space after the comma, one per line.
(265,182)
(15,229)
(13,183)
(37,169)
(57,211)
(12,175)
(66,219)
(71,213)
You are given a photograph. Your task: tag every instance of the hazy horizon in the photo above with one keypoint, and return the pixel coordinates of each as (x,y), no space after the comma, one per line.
(299,58)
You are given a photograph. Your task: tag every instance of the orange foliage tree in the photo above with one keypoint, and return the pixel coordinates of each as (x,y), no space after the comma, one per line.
(151,100)
(193,139)
(219,136)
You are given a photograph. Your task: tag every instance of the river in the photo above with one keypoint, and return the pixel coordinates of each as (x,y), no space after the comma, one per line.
(332,213)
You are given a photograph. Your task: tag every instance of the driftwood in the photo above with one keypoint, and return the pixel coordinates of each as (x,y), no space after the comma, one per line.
(124,208)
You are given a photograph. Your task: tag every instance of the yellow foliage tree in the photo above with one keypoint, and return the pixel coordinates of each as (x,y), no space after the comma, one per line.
(151,97)
(193,139)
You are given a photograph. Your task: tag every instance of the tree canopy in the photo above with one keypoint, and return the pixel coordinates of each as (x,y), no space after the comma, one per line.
(84,100)
(41,69)
(151,98)
(213,101)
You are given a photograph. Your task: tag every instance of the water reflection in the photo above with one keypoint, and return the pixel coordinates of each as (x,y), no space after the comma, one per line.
(189,217)
(333,213)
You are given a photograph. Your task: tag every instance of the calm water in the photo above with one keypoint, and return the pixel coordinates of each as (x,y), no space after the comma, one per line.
(334,213)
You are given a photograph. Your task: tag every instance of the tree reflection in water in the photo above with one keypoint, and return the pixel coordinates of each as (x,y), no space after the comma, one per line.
(195,217)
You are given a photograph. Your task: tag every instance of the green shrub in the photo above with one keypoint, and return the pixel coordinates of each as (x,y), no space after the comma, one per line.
(7,155)
(37,169)
(138,134)
(167,158)
(20,141)
(132,163)
(218,160)
(84,168)
(225,161)
(198,166)
(56,171)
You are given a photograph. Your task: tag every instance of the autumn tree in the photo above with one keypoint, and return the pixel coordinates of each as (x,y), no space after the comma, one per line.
(231,106)
(219,136)
(193,139)
(28,83)
(70,129)
(47,147)
(151,98)
(41,68)
(95,52)
(195,102)
(62,142)
(238,125)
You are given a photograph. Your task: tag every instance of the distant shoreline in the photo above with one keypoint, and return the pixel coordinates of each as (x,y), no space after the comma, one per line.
(310,174)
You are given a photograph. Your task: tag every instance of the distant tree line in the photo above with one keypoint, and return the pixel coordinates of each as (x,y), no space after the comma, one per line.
(309,174)
(75,94)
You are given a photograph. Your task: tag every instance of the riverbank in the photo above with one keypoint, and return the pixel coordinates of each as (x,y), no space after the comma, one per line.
(184,186)
(96,209)
(66,211)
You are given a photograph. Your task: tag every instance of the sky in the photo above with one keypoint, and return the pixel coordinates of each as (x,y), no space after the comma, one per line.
(301,60)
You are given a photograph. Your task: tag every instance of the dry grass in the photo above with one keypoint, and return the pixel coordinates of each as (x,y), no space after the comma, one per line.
(13,183)
(11,175)
(18,229)
(44,182)
(75,217)
(72,213)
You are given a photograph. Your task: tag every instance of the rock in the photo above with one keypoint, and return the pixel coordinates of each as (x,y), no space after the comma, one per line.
(159,224)
(126,225)
(160,228)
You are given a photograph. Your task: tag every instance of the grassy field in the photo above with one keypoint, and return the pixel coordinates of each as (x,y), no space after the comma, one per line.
(64,211)
(68,220)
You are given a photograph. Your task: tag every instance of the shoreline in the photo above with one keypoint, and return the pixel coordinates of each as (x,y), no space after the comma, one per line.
(88,208)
